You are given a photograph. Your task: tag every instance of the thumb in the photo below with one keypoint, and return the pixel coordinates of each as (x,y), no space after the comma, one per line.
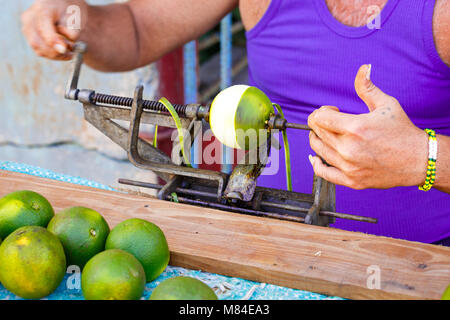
(366,90)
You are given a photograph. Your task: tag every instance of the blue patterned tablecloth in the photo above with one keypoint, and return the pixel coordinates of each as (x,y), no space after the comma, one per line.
(227,288)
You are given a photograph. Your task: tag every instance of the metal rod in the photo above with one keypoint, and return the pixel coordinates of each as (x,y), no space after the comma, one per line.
(239,210)
(225,77)
(348,216)
(190,87)
(263,203)
(215,38)
(322,212)
(208,93)
(127,102)
(159,187)
(210,204)
(297,126)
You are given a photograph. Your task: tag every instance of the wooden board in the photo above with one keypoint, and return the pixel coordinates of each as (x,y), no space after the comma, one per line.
(317,259)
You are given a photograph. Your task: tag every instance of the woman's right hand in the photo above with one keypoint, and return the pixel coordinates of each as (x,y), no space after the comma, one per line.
(51,27)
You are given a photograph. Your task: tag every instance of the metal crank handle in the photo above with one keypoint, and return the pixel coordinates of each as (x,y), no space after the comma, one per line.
(90,96)
(71,90)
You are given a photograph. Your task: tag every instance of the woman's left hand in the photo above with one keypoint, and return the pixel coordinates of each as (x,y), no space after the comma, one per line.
(380,149)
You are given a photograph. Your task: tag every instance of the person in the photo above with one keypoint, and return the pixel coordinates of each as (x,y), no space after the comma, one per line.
(368,76)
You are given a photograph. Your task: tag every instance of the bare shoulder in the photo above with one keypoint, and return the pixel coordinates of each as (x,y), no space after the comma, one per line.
(441,29)
(252,11)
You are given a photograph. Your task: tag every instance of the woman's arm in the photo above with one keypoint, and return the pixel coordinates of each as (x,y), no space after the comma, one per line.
(120,36)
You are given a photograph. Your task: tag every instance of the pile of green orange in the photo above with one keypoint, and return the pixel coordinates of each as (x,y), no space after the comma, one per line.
(38,245)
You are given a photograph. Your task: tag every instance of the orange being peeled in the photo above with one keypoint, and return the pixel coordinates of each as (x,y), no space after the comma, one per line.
(238,116)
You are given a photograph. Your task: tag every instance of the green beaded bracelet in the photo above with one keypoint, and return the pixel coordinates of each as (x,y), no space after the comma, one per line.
(432,157)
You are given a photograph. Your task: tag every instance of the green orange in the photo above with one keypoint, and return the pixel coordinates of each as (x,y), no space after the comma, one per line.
(82,232)
(23,208)
(446,294)
(113,275)
(183,288)
(32,262)
(145,241)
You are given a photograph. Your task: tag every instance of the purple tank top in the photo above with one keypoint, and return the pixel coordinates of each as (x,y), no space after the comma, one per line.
(303,58)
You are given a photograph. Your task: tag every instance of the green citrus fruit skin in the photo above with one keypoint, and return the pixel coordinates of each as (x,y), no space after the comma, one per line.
(446,294)
(183,288)
(254,110)
(32,262)
(82,232)
(145,241)
(113,275)
(23,208)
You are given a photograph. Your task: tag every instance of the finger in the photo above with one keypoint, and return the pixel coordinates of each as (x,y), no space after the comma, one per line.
(324,151)
(328,137)
(70,33)
(330,174)
(367,91)
(329,118)
(29,31)
(42,49)
(48,32)
(36,42)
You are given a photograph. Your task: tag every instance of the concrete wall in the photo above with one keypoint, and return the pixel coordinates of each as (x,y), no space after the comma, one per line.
(39,127)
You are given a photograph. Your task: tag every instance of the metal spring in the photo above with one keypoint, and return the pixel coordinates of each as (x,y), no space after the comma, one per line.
(127,102)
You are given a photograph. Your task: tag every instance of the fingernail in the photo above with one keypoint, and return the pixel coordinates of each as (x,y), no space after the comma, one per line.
(60,48)
(369,69)
(311,159)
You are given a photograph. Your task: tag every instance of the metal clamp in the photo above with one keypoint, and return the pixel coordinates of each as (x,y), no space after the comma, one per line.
(138,161)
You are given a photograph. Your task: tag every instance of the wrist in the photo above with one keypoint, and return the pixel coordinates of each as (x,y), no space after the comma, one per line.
(442,182)
(419,162)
